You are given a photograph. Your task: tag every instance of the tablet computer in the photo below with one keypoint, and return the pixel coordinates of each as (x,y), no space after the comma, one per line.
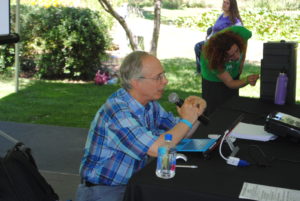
(205,145)
(195,145)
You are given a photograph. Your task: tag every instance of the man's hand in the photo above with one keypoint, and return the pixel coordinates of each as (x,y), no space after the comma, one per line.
(198,102)
(192,108)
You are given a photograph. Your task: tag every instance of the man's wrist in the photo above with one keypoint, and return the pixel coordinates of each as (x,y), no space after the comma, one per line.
(186,122)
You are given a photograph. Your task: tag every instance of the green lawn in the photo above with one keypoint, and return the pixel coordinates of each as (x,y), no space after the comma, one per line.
(74,104)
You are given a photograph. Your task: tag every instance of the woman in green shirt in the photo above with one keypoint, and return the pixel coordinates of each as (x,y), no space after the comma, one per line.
(221,65)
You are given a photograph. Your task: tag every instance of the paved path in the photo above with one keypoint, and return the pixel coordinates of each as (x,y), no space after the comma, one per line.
(57,151)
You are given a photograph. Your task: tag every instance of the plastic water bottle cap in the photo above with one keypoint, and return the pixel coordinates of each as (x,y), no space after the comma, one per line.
(162,150)
(168,137)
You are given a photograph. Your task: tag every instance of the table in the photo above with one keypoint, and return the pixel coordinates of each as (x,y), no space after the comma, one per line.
(214,180)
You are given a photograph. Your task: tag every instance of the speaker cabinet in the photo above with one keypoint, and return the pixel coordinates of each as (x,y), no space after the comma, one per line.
(277,57)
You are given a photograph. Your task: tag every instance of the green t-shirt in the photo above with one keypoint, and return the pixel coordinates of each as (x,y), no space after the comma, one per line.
(231,67)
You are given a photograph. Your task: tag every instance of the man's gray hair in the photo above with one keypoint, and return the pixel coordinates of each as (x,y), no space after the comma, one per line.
(131,67)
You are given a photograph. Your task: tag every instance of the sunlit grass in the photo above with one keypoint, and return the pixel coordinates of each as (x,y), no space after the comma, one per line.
(74,104)
(8,85)
(55,103)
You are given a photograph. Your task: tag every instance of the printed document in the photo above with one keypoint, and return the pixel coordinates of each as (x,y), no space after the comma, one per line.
(268,193)
(251,132)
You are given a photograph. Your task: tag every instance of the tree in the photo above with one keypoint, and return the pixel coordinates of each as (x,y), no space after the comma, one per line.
(155,35)
(133,44)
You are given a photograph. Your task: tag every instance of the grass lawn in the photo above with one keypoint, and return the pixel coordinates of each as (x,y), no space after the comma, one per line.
(75,104)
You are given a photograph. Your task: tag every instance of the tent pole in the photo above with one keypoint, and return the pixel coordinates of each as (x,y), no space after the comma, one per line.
(17,47)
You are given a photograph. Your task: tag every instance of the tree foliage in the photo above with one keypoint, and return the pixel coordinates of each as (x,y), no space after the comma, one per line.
(264,24)
(62,42)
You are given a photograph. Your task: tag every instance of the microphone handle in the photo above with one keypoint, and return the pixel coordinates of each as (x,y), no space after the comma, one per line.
(204,119)
(180,102)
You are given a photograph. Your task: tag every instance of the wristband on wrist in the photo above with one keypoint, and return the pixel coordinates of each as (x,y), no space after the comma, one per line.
(186,122)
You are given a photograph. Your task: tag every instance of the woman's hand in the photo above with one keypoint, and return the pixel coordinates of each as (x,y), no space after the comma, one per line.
(251,79)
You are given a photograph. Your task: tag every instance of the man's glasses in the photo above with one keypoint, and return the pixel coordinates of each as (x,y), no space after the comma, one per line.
(159,78)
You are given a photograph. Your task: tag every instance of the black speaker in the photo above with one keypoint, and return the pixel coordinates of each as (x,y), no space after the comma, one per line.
(278,57)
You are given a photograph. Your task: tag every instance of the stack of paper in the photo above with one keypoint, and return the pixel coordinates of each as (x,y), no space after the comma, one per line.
(251,132)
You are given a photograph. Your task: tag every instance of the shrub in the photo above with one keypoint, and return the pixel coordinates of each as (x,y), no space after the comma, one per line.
(269,25)
(264,24)
(62,42)
(6,57)
(172,4)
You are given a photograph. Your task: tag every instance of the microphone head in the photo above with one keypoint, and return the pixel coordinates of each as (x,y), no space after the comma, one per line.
(173,98)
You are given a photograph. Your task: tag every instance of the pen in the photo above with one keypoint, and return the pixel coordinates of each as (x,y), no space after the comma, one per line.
(187,166)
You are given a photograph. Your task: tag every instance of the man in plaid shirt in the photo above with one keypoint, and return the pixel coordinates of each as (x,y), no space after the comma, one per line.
(129,128)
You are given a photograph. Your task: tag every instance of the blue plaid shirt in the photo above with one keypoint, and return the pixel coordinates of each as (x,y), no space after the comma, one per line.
(119,137)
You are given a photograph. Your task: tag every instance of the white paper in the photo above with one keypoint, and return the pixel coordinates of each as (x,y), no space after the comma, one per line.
(251,132)
(268,193)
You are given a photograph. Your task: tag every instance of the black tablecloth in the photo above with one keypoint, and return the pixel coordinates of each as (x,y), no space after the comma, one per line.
(274,163)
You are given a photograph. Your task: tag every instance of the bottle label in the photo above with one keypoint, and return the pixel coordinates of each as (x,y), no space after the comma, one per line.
(172,157)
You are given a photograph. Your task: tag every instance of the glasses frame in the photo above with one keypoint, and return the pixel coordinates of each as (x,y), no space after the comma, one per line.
(157,78)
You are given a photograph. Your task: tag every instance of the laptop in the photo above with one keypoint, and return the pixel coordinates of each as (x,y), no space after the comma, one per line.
(205,145)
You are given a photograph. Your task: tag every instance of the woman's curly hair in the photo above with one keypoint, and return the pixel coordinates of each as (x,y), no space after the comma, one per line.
(215,50)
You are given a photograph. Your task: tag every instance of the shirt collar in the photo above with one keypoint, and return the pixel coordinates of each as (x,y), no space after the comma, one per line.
(133,104)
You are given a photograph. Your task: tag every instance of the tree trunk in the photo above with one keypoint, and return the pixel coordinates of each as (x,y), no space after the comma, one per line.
(155,35)
(133,44)
(108,8)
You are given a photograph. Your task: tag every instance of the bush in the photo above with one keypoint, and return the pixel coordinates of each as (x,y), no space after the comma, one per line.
(276,5)
(172,4)
(269,25)
(62,42)
(6,57)
(264,24)
(201,21)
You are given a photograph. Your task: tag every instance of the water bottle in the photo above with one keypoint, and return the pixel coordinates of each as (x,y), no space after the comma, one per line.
(166,159)
(281,89)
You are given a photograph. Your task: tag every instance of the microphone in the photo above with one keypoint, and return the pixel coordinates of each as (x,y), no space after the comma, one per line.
(174,98)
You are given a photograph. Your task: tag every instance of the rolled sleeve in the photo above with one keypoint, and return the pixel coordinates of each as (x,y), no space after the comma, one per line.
(132,137)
